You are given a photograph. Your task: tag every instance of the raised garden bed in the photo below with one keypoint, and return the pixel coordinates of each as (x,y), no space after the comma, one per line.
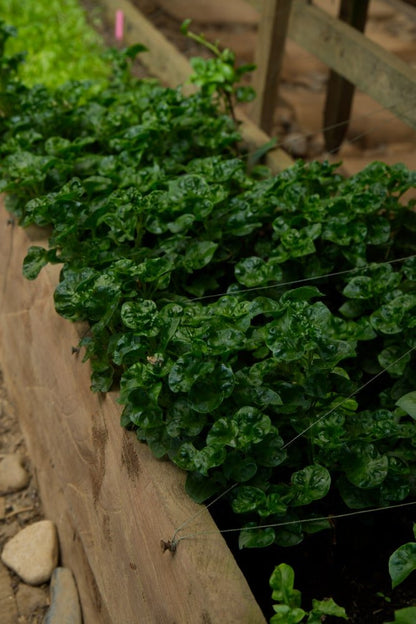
(112,501)
(257,231)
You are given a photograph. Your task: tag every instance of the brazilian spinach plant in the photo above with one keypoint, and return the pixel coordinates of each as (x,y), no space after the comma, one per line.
(238,312)
(288,609)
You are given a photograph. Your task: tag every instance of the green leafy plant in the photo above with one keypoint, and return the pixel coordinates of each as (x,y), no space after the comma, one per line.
(288,601)
(260,329)
(218,76)
(60,44)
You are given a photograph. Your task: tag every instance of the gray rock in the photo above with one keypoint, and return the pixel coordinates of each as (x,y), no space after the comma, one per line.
(65,608)
(296,144)
(30,598)
(33,552)
(13,477)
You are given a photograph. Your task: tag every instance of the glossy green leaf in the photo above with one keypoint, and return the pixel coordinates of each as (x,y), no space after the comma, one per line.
(254,271)
(207,394)
(252,426)
(404,616)
(408,403)
(223,432)
(199,488)
(199,254)
(365,467)
(248,498)
(282,582)
(209,457)
(187,370)
(394,360)
(287,615)
(402,562)
(255,537)
(309,484)
(238,468)
(36,258)
(141,316)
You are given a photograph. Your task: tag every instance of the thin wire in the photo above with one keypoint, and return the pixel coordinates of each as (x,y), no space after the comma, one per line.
(299,281)
(200,511)
(176,539)
(323,129)
(367,383)
(329,517)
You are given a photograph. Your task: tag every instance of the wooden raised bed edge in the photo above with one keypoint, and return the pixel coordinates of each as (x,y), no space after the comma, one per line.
(111,499)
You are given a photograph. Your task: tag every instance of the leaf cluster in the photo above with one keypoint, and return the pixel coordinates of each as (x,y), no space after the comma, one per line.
(58,42)
(184,266)
(288,609)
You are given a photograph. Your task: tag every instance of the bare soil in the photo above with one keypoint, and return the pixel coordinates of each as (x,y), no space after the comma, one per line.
(17,510)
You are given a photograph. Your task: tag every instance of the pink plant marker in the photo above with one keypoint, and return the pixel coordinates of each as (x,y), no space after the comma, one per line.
(119,28)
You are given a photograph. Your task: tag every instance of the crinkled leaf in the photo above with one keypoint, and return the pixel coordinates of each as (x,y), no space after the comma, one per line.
(248,498)
(36,258)
(322,608)
(309,484)
(365,467)
(187,370)
(252,426)
(394,360)
(141,316)
(254,271)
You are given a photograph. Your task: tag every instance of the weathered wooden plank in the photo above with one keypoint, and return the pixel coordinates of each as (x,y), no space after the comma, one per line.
(111,499)
(172,67)
(208,11)
(340,91)
(270,47)
(166,63)
(380,74)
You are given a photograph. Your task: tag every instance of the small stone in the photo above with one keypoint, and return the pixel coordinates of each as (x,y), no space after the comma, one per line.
(33,552)
(13,477)
(296,144)
(30,598)
(65,608)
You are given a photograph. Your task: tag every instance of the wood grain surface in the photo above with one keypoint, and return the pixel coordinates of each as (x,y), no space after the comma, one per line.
(111,499)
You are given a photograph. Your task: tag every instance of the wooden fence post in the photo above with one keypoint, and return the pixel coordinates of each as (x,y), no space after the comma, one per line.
(271,40)
(340,91)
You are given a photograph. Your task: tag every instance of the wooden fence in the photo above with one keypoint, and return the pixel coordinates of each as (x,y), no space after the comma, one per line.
(354,60)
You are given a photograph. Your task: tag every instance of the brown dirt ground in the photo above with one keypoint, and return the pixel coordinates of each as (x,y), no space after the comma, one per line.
(17,510)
